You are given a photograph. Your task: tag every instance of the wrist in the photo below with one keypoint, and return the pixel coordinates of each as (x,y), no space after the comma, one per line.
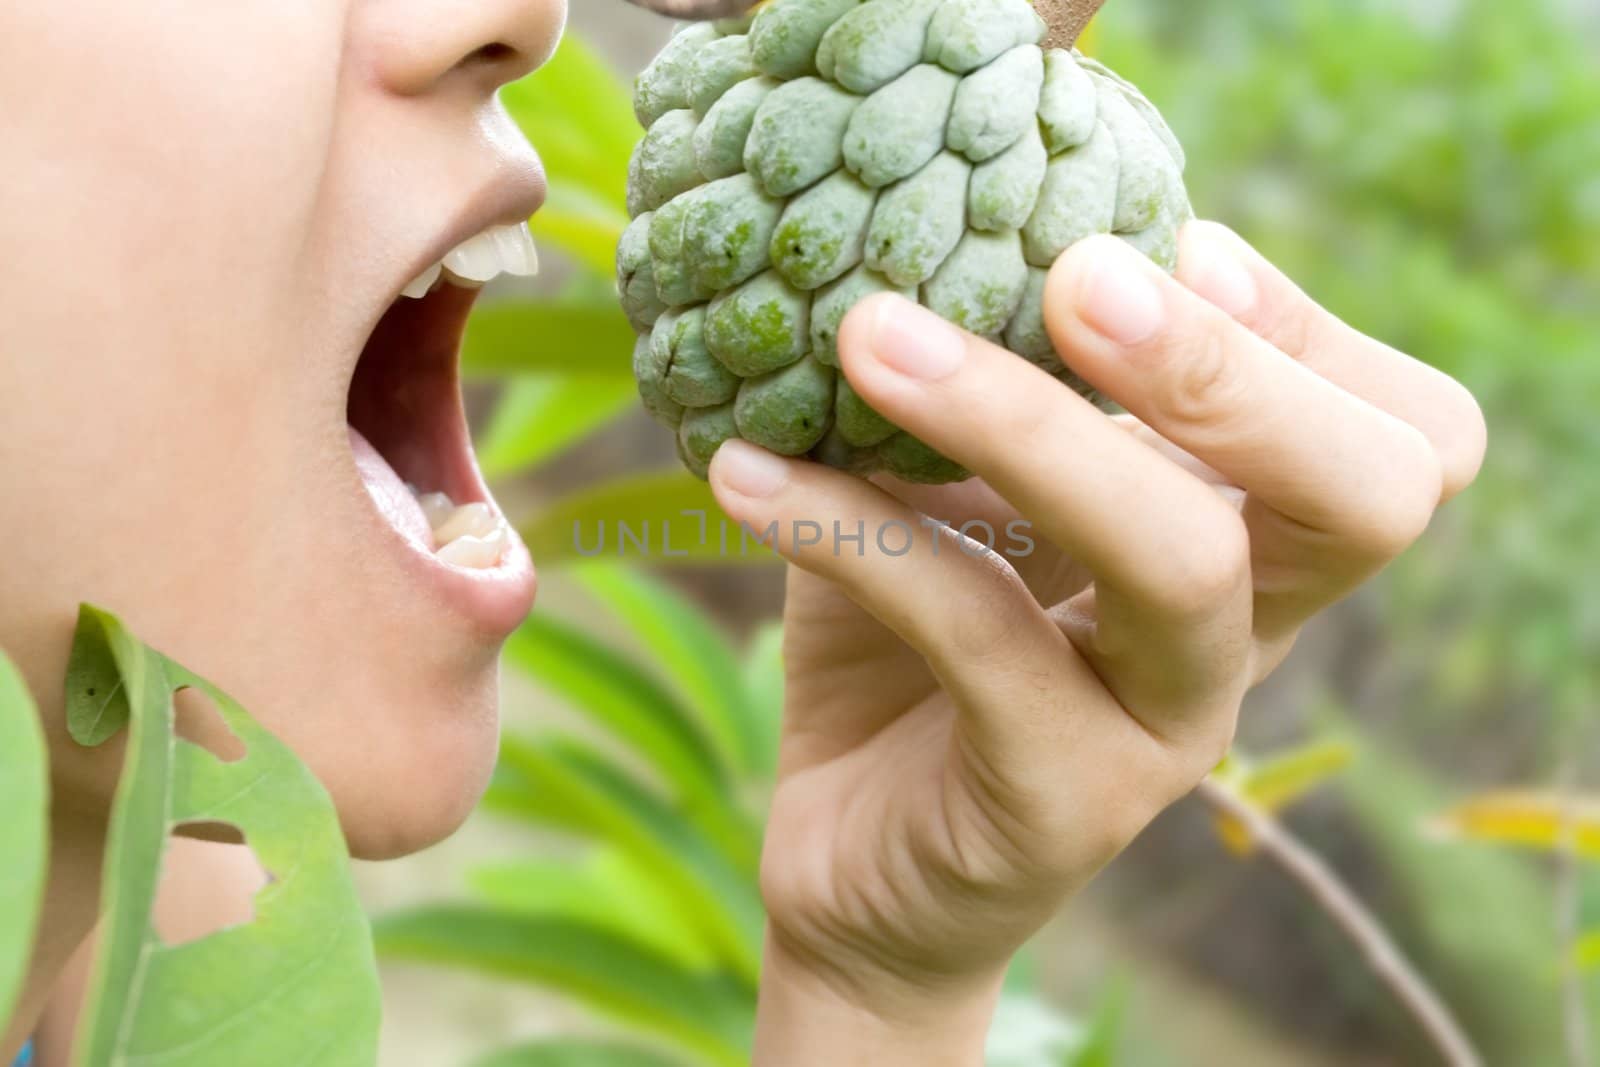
(806,1018)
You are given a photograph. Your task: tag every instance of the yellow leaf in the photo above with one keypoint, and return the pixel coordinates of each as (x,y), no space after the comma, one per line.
(1087,39)
(1280,781)
(1275,783)
(1543,821)
(1234,836)
(1586,953)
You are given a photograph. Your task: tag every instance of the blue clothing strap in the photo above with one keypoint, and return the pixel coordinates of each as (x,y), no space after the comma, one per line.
(25,1057)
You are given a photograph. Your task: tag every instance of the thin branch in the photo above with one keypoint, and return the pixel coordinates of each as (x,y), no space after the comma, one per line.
(1569,920)
(1339,902)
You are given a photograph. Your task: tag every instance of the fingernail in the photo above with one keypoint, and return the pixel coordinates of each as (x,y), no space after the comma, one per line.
(1120,301)
(1215,273)
(748,470)
(914,341)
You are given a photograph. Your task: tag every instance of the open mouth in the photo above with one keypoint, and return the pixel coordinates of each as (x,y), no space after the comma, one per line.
(408,429)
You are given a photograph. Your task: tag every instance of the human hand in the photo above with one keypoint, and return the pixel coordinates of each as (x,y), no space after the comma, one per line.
(969,738)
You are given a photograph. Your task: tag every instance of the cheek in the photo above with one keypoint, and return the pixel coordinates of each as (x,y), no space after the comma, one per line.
(175,166)
(167,404)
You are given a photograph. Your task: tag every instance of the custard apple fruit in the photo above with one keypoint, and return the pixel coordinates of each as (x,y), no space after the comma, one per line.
(820,151)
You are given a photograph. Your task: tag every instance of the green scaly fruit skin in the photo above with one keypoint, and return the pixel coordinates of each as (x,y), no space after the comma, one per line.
(804,158)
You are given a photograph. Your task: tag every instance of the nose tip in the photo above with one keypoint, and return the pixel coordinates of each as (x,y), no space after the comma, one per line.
(421,42)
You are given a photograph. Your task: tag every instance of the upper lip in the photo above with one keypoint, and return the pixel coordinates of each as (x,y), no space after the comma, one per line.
(511,195)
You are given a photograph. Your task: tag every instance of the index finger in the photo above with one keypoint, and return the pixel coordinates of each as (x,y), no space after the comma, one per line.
(1221,266)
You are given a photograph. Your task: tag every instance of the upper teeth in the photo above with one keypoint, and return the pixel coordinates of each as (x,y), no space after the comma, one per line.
(477,260)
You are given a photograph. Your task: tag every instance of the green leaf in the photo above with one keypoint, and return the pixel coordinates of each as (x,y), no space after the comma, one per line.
(568,336)
(623,699)
(689,651)
(541,416)
(1027,1032)
(668,517)
(1586,953)
(557,782)
(764,684)
(1105,1031)
(609,890)
(579,112)
(298,983)
(574,1053)
(584,226)
(611,976)
(24,798)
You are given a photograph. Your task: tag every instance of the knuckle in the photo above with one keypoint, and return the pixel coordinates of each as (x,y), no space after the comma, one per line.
(1466,442)
(1406,510)
(989,623)
(1214,566)
(1298,326)
(1199,382)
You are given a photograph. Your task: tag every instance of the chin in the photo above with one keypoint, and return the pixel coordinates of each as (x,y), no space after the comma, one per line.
(413,784)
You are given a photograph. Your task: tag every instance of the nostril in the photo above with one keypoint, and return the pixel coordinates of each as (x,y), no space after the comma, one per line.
(492,55)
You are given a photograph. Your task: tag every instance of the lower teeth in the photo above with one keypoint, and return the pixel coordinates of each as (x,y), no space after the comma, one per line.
(465,535)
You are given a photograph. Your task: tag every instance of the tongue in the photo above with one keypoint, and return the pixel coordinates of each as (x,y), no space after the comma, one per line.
(391,495)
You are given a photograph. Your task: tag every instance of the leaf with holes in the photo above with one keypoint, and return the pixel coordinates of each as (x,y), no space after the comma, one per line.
(298,983)
(23,798)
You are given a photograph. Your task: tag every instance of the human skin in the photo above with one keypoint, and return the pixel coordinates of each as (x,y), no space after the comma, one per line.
(967,739)
(206,208)
(204,218)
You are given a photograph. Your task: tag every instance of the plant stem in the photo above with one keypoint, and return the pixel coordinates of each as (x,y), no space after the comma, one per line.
(1066,19)
(1569,920)
(1340,903)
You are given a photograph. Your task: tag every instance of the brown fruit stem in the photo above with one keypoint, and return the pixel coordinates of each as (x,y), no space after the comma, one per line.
(1066,18)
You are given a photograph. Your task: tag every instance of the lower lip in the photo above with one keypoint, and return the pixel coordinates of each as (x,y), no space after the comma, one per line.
(494,600)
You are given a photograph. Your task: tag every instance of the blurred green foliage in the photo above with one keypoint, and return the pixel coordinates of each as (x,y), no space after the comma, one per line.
(655,922)
(1428,170)
(23,834)
(1431,172)
(306,954)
